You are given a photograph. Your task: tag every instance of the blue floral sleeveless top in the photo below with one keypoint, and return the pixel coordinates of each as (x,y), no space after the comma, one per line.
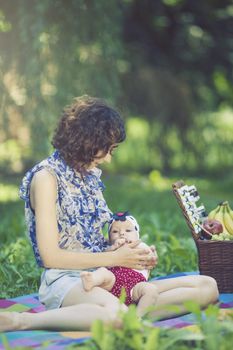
(80,207)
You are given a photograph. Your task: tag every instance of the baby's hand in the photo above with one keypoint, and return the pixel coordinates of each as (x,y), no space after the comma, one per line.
(117,244)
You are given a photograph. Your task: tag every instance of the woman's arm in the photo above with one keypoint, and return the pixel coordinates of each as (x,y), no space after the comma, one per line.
(43,195)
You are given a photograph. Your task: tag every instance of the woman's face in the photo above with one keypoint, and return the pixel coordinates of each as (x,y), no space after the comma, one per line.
(99,158)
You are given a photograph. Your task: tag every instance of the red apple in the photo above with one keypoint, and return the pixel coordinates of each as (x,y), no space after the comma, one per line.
(213,226)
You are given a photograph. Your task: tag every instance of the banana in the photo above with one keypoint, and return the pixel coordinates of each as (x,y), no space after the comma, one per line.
(228,221)
(230,210)
(219,217)
(213,212)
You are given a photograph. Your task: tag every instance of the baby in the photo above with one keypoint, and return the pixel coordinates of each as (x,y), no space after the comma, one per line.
(124,229)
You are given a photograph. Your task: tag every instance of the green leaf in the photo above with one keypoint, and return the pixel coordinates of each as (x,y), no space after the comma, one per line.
(5,342)
(152,342)
(212,310)
(130,319)
(97,332)
(108,342)
(194,308)
(175,335)
(174,242)
(122,296)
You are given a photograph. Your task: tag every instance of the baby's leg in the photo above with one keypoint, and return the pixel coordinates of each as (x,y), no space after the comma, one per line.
(145,294)
(101,277)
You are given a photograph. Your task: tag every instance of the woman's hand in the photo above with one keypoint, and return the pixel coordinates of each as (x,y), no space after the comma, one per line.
(135,258)
(154,253)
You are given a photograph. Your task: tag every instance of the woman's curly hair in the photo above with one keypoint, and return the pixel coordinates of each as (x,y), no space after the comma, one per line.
(87,127)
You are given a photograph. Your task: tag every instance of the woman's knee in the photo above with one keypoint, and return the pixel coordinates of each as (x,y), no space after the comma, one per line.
(209,289)
(212,286)
(113,310)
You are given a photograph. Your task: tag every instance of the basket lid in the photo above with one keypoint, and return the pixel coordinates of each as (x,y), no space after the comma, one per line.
(187,197)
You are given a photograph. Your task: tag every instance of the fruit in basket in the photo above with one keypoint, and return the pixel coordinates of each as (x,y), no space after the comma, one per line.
(217,238)
(219,215)
(206,235)
(222,214)
(225,236)
(213,212)
(231,213)
(230,210)
(228,221)
(211,227)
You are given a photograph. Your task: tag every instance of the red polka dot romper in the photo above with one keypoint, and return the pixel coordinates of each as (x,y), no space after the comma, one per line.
(125,278)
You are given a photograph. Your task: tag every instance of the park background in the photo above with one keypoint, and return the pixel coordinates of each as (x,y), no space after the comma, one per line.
(166,65)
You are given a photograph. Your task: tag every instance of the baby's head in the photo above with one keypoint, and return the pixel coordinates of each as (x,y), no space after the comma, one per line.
(123,225)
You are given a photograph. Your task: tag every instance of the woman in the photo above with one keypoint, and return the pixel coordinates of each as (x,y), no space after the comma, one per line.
(65,213)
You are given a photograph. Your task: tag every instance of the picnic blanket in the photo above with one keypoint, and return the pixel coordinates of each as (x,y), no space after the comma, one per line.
(61,340)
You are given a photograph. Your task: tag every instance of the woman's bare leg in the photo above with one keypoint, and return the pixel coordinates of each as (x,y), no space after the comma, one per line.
(75,317)
(78,311)
(145,294)
(101,277)
(175,291)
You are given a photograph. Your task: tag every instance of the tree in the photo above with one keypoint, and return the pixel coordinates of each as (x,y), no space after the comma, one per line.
(52,51)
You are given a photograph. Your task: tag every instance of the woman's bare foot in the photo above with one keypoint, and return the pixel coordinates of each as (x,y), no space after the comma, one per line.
(9,321)
(87,280)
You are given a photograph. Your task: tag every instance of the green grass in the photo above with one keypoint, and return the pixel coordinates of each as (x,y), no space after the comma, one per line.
(150,200)
(18,271)
(140,335)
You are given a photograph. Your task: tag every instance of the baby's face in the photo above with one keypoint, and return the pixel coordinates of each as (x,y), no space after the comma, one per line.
(123,229)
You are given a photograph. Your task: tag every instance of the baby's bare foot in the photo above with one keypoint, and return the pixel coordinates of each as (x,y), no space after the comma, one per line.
(9,321)
(87,280)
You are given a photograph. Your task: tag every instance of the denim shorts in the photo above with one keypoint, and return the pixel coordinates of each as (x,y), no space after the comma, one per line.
(55,284)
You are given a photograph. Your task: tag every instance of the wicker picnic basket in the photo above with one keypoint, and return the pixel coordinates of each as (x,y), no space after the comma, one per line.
(215,257)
